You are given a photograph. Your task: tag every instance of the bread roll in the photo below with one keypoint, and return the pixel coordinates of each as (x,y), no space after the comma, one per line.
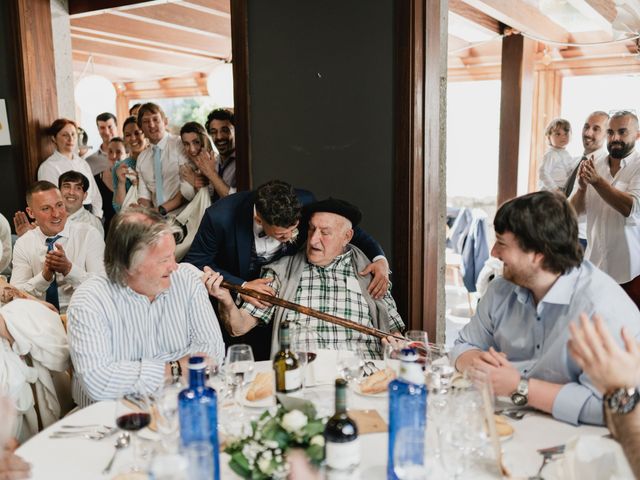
(378,382)
(261,387)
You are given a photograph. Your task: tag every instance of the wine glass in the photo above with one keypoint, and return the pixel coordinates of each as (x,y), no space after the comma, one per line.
(304,342)
(408,455)
(132,414)
(350,364)
(167,419)
(238,371)
(419,341)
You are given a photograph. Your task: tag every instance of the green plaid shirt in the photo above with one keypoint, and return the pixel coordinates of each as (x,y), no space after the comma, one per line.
(333,289)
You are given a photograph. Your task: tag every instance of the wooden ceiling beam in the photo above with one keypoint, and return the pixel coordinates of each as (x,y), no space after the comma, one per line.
(133,55)
(177,16)
(129,29)
(77,7)
(458,46)
(522,17)
(605,8)
(476,16)
(222,6)
(91,35)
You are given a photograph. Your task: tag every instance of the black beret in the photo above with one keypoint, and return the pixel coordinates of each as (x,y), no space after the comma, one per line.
(339,207)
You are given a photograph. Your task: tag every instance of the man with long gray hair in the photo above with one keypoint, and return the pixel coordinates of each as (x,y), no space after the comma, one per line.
(136,328)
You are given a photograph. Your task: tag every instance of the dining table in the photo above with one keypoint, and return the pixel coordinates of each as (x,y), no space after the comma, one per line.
(82,458)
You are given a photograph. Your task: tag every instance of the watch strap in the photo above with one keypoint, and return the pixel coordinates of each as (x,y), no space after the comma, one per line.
(622,400)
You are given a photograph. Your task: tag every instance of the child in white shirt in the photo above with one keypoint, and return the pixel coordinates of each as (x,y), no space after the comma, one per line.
(557,163)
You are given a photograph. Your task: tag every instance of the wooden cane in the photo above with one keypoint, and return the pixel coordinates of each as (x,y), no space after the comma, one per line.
(310,311)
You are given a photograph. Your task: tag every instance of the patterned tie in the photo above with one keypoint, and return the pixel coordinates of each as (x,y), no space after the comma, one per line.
(157,172)
(568,187)
(52,291)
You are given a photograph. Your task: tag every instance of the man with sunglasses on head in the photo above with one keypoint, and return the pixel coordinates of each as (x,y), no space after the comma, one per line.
(609,192)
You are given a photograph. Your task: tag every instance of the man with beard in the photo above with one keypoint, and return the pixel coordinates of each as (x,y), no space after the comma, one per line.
(594,132)
(609,192)
(222,176)
(517,339)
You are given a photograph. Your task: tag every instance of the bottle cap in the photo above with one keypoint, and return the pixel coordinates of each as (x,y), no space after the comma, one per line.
(197,363)
(408,355)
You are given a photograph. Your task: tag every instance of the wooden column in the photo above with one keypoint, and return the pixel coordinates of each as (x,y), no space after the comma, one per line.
(36,74)
(516,102)
(122,106)
(419,201)
(547,100)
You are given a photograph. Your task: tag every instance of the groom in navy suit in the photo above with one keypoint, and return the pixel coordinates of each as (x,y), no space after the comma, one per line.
(244,231)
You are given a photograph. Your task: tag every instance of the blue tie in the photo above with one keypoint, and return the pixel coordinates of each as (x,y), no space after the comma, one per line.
(52,291)
(157,172)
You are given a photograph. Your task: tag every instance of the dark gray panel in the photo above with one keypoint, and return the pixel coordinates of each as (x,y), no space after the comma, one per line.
(321,93)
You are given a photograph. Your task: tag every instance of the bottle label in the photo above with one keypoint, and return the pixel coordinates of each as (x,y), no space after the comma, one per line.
(341,456)
(292,379)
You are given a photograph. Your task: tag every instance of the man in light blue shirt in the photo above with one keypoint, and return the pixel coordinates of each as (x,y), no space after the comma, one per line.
(519,334)
(134,330)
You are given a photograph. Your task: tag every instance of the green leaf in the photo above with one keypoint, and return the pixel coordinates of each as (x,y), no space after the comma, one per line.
(312,429)
(240,465)
(315,453)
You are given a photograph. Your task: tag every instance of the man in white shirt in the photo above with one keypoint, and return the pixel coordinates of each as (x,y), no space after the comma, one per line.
(53,259)
(593,136)
(609,192)
(159,182)
(73,187)
(107,128)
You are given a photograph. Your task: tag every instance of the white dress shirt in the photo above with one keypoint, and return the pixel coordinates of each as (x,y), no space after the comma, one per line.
(57,164)
(266,246)
(5,243)
(598,155)
(172,155)
(120,341)
(83,246)
(613,240)
(83,215)
(557,165)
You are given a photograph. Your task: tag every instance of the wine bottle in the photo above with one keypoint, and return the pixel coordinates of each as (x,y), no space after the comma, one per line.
(342,446)
(198,412)
(407,406)
(285,364)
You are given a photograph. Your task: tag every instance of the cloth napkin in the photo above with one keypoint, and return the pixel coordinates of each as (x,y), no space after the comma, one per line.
(590,457)
(323,370)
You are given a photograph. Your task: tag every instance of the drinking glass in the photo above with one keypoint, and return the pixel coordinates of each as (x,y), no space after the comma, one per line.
(409,455)
(132,414)
(304,342)
(167,419)
(350,364)
(238,371)
(419,341)
(440,370)
(200,458)
(392,356)
(171,466)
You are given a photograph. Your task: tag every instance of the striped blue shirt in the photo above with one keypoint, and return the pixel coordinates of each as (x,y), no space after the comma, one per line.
(120,341)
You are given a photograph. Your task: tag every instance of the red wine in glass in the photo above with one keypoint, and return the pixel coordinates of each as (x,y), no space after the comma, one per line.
(132,422)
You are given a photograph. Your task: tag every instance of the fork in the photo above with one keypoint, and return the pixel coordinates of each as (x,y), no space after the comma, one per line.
(372,368)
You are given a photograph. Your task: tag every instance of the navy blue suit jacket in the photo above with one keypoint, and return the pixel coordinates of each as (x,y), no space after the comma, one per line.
(224,240)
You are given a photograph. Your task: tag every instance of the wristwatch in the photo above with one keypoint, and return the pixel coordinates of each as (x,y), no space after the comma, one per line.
(162,210)
(176,371)
(622,400)
(521,396)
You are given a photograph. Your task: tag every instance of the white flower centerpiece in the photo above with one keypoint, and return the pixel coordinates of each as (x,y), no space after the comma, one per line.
(262,454)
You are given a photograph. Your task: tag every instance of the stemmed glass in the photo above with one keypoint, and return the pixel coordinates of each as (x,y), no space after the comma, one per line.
(419,341)
(350,364)
(304,342)
(132,414)
(238,370)
(167,419)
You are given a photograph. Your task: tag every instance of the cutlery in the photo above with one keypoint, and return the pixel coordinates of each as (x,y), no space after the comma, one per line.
(122,441)
(87,435)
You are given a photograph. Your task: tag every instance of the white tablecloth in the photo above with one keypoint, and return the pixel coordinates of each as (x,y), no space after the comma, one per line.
(65,459)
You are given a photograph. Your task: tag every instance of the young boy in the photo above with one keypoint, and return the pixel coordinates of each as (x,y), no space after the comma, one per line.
(557,163)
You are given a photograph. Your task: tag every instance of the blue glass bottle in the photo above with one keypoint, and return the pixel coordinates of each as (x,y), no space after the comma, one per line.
(407,406)
(198,412)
